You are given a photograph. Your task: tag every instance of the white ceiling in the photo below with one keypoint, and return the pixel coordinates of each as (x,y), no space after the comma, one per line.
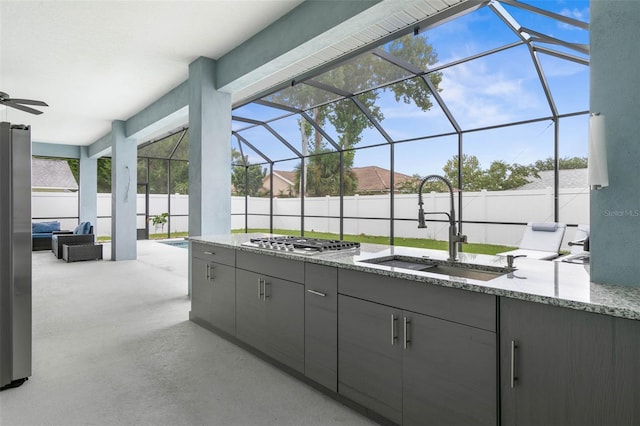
(98,61)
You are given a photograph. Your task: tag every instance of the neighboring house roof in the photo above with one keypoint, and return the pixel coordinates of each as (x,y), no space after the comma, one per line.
(283,182)
(371,179)
(286,176)
(52,175)
(377,179)
(568,178)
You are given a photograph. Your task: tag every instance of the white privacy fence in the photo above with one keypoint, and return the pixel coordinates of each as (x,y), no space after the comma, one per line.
(367,214)
(63,206)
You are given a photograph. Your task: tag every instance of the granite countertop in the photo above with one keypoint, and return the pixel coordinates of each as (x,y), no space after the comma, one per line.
(554,283)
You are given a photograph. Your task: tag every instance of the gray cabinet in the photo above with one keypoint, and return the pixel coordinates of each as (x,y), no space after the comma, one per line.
(449,373)
(565,367)
(223,297)
(321,325)
(250,309)
(413,367)
(200,291)
(270,316)
(370,356)
(213,292)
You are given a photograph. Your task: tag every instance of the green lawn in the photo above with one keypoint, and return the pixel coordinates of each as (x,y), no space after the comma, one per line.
(406,242)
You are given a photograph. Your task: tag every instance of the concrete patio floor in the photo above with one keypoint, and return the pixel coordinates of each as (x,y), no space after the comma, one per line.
(112,345)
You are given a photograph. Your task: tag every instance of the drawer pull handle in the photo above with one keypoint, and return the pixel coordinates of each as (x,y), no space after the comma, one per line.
(209,253)
(406,332)
(317,293)
(514,378)
(394,335)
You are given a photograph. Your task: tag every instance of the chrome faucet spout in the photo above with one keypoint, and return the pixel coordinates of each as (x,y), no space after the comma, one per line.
(454,236)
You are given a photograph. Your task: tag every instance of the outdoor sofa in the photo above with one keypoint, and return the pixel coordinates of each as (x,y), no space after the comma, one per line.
(41,233)
(81,235)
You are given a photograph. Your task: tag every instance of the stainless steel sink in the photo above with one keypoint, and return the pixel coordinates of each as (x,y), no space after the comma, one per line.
(442,267)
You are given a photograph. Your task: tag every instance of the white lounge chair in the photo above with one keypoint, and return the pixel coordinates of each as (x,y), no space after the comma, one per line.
(541,241)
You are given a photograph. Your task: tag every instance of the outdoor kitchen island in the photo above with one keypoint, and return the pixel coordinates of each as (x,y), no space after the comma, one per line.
(536,345)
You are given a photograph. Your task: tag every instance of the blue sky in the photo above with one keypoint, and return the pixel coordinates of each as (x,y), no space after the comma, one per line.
(497,89)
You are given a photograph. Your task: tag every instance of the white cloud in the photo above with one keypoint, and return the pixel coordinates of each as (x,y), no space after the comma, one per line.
(479,96)
(575,13)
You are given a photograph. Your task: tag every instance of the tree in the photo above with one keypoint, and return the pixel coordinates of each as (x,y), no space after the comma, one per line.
(359,76)
(409,186)
(471,172)
(499,176)
(104,172)
(323,175)
(104,175)
(245,178)
(563,163)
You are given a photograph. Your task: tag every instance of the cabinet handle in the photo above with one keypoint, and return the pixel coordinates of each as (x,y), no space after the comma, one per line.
(208,274)
(317,293)
(209,253)
(514,378)
(394,336)
(211,268)
(265,283)
(260,289)
(405,328)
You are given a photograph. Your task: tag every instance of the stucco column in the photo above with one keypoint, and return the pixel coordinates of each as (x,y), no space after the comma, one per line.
(124,156)
(209,152)
(88,188)
(615,210)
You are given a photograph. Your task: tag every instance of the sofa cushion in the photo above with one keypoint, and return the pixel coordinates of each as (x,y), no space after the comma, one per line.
(45,227)
(42,235)
(83,229)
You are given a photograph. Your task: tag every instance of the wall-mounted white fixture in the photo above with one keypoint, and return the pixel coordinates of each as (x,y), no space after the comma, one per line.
(598,172)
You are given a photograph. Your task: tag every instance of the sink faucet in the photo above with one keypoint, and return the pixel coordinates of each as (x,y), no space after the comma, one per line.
(454,236)
(511,258)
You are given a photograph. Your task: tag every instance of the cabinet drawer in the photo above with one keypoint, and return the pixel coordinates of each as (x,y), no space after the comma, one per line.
(465,307)
(287,269)
(223,255)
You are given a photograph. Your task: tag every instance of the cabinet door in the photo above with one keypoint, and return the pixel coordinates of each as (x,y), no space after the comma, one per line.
(250,309)
(200,290)
(284,305)
(321,325)
(370,356)
(223,297)
(449,373)
(562,366)
(626,371)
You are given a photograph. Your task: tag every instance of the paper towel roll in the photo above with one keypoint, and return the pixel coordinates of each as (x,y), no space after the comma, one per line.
(598,173)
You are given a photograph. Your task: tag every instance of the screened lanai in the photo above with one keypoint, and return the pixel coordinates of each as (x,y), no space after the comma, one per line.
(492,100)
(163,183)
(495,100)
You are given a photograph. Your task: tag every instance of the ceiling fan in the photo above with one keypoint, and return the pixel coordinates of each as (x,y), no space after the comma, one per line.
(5,99)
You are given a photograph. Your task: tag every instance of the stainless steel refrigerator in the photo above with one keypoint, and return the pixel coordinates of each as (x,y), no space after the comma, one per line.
(15,254)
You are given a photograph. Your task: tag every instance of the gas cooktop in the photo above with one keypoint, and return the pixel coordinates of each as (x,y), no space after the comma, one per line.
(300,245)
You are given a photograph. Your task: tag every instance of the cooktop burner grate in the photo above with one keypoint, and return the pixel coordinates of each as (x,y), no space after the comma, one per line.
(304,243)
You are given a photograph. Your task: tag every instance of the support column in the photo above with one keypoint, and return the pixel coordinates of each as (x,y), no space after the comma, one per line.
(88,188)
(209,152)
(615,210)
(123,194)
